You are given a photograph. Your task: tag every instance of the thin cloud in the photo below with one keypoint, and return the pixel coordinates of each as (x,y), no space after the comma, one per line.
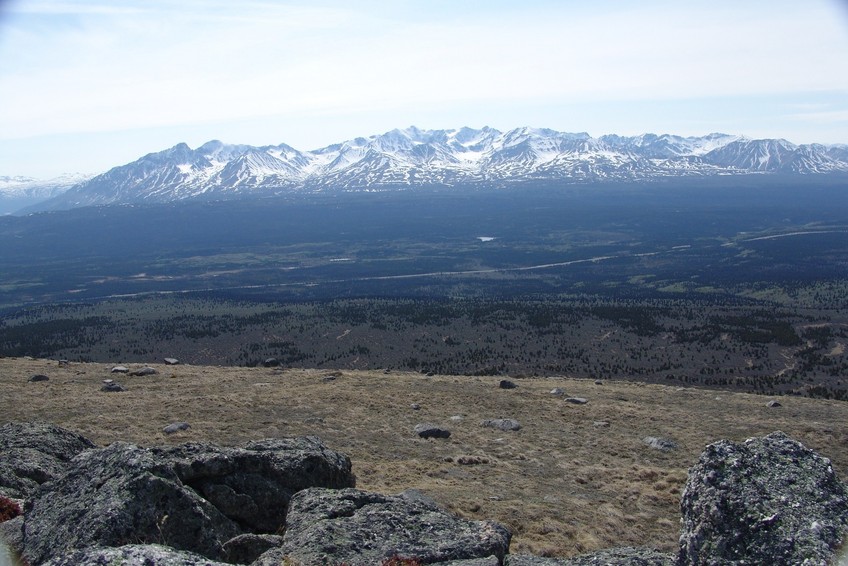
(91,66)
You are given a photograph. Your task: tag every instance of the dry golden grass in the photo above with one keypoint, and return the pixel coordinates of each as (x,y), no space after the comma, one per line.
(563,484)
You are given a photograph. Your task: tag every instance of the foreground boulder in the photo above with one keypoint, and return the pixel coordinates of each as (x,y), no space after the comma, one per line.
(253,484)
(617,556)
(132,555)
(194,497)
(355,527)
(33,453)
(765,501)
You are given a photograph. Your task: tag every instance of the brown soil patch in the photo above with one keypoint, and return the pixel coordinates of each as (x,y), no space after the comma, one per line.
(575,478)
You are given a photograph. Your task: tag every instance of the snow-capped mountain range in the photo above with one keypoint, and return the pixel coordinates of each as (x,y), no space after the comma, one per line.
(19,192)
(449,158)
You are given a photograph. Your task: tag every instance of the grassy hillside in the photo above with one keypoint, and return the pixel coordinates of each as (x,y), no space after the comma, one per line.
(574,478)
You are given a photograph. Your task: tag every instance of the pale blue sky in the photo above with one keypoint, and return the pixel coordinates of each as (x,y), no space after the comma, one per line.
(89,84)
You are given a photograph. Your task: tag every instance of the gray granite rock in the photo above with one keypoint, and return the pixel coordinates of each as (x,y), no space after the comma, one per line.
(659,443)
(767,500)
(33,453)
(147,370)
(611,557)
(502,424)
(246,548)
(174,428)
(132,555)
(192,497)
(359,528)
(428,430)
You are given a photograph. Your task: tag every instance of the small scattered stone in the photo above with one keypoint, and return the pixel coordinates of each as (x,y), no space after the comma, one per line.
(119,369)
(507,384)
(328,378)
(415,407)
(576,400)
(471,460)
(600,424)
(64,362)
(501,424)
(558,391)
(109,386)
(662,444)
(176,427)
(147,370)
(456,418)
(38,377)
(598,382)
(171,361)
(773,404)
(427,430)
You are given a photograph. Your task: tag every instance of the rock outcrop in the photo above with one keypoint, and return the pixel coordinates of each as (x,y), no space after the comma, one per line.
(291,501)
(356,527)
(194,497)
(617,556)
(768,500)
(132,555)
(32,453)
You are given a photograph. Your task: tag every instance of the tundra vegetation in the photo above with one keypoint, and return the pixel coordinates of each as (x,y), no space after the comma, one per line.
(573,478)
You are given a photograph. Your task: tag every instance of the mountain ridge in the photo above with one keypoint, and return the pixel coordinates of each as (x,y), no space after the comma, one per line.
(412,157)
(18,192)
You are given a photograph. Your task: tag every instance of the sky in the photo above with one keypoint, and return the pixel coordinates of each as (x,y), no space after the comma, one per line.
(86,85)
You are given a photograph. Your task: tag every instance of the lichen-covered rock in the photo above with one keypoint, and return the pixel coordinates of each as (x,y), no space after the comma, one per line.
(32,453)
(246,548)
(253,484)
(429,430)
(193,497)
(132,555)
(659,443)
(502,424)
(530,560)
(488,561)
(174,428)
(622,557)
(768,500)
(147,370)
(120,495)
(625,556)
(361,528)
(12,533)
